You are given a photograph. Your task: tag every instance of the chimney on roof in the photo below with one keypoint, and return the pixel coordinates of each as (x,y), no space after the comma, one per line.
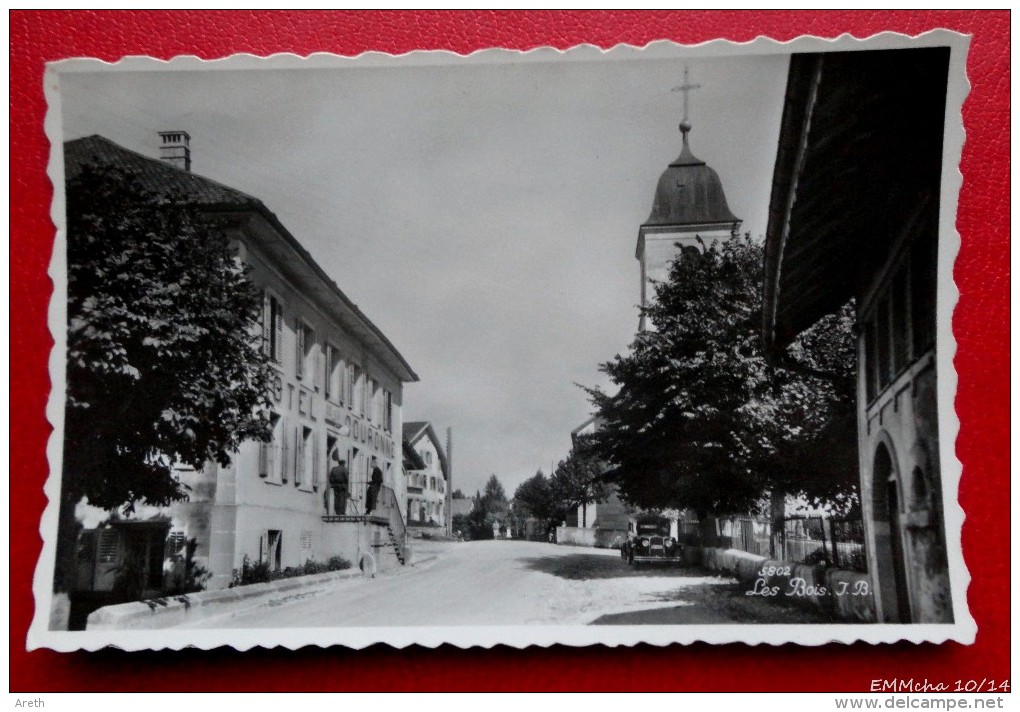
(175,149)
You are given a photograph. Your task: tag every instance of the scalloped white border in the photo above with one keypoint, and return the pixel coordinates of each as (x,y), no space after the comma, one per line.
(963,630)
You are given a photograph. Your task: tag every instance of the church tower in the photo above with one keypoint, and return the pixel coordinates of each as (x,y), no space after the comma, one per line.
(689,203)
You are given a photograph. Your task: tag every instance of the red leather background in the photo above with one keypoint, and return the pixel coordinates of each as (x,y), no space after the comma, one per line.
(980,323)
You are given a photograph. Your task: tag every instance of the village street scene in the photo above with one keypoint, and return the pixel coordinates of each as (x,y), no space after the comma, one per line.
(639,341)
(525,583)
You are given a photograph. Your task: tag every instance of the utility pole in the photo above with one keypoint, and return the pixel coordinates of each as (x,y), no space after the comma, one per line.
(449,482)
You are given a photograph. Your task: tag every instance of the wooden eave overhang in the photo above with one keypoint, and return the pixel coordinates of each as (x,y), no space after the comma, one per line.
(860,147)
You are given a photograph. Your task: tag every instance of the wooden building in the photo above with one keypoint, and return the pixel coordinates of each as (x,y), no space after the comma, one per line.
(854,215)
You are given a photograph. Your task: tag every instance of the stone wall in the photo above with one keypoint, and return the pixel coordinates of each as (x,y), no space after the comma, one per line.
(845,595)
(607,538)
(575,536)
(901,495)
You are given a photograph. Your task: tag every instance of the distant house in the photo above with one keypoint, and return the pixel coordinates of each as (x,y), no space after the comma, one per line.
(609,518)
(426,475)
(464,505)
(855,215)
(338,387)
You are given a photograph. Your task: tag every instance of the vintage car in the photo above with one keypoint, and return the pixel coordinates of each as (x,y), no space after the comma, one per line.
(649,541)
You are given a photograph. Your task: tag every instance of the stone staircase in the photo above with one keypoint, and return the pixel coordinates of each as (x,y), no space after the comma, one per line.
(399,547)
(386,516)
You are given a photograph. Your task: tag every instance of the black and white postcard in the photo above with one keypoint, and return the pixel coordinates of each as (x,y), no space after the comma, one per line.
(645,345)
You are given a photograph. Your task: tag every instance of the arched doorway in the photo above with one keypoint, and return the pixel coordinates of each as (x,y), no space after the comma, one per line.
(890,568)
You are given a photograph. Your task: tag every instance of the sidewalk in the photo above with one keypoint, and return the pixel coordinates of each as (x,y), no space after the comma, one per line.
(190,608)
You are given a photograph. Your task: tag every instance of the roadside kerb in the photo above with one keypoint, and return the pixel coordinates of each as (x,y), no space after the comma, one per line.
(175,610)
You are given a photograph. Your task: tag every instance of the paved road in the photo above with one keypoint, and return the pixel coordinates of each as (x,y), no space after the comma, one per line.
(516,582)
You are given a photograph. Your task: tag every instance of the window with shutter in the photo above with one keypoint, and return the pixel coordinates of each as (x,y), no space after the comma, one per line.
(351,380)
(376,402)
(327,376)
(320,372)
(306,363)
(274,449)
(264,459)
(274,538)
(277,350)
(297,460)
(274,459)
(370,401)
(363,394)
(308,459)
(299,356)
(285,455)
(272,327)
(316,463)
(359,385)
(300,464)
(267,324)
(268,451)
(341,369)
(271,548)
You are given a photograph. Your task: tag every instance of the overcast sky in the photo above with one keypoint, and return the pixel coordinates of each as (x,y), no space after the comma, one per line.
(483,215)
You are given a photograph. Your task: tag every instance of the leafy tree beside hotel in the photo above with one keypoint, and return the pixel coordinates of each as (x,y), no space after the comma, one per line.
(165,362)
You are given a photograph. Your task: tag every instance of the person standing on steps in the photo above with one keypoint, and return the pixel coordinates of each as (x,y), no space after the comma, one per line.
(339,484)
(373,486)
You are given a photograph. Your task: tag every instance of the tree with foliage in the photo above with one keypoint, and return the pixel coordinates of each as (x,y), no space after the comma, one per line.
(535,498)
(494,496)
(578,480)
(490,505)
(495,503)
(703,419)
(165,364)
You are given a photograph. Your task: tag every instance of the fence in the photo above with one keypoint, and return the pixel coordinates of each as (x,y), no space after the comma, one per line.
(816,540)
(847,539)
(750,534)
(689,532)
(799,539)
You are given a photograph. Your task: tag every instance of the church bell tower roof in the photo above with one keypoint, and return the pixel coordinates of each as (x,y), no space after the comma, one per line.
(689,192)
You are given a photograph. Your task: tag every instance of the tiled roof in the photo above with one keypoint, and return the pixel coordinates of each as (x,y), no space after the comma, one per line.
(412,460)
(156,177)
(414,429)
(461,506)
(164,180)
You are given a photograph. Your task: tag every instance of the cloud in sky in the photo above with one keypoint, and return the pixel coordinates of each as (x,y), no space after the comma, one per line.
(483,215)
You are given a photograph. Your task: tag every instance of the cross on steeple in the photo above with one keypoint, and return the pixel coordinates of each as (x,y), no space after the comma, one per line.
(686,88)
